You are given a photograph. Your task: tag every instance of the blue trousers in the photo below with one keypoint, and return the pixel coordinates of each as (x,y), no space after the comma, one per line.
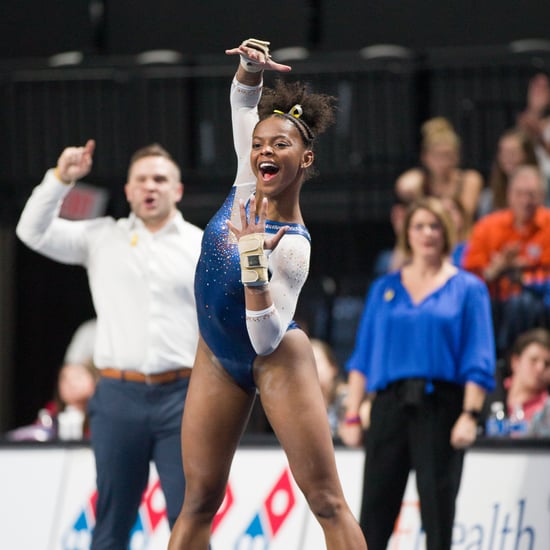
(132,424)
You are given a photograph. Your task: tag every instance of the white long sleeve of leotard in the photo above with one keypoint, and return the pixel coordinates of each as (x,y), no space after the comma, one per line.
(289,262)
(289,266)
(244,117)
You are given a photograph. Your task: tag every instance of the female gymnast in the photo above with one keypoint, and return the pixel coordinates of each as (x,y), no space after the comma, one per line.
(254,262)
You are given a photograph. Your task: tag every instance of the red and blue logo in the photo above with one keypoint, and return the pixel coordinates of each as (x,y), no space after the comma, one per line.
(270,518)
(151,512)
(260,532)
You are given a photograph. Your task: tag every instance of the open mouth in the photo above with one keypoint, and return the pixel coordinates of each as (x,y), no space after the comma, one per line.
(268,170)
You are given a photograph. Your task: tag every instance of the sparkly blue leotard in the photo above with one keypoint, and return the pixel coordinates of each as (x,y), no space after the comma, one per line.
(220,296)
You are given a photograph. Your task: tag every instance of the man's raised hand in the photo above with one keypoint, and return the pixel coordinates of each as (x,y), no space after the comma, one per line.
(75,162)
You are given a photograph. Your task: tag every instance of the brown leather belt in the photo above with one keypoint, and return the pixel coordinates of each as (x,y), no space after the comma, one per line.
(135,376)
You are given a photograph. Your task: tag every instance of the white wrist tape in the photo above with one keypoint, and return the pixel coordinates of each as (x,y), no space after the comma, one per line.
(262,46)
(250,66)
(253,260)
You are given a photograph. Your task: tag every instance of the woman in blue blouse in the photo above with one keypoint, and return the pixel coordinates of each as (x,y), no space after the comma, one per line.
(425,348)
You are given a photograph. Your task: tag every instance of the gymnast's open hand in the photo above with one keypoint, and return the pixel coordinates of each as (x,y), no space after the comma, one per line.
(256,224)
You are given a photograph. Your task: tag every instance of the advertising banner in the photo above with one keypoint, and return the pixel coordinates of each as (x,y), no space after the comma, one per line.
(48,503)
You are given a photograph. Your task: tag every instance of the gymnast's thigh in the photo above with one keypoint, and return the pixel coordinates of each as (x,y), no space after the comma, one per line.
(293,402)
(215,415)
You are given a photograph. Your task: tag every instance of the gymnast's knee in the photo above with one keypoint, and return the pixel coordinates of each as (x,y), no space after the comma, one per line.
(324,504)
(203,507)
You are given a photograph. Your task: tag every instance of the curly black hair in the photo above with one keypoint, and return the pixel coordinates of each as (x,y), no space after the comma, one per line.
(318,109)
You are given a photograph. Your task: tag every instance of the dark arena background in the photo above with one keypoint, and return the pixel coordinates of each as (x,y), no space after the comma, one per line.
(391,64)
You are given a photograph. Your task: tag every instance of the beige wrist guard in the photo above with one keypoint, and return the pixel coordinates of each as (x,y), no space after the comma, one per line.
(262,46)
(253,260)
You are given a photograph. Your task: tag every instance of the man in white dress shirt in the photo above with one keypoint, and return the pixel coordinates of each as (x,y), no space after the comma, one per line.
(141,272)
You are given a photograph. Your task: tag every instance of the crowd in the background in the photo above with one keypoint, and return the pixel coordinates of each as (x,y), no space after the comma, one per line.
(502,222)
(466,284)
(501,226)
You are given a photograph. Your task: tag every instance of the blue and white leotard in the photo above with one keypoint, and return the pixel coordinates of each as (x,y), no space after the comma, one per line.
(233,337)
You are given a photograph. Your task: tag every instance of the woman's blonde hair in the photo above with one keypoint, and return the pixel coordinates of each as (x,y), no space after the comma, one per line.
(437,208)
(437,131)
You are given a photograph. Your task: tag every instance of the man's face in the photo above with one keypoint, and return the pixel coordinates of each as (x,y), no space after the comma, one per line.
(525,195)
(153,190)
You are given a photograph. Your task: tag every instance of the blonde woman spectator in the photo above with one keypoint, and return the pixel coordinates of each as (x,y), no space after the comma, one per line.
(440,174)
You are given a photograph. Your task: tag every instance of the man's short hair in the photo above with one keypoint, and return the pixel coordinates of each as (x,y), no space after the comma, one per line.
(153,150)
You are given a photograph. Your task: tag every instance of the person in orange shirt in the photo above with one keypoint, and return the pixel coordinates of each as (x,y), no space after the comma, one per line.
(510,250)
(516,237)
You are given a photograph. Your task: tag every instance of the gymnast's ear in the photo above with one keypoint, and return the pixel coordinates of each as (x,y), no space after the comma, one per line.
(307,159)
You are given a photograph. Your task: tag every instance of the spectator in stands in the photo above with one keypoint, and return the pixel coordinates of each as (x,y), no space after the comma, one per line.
(514,149)
(535,119)
(527,383)
(510,250)
(392,259)
(75,385)
(440,174)
(81,346)
(78,376)
(332,385)
(425,346)
(462,227)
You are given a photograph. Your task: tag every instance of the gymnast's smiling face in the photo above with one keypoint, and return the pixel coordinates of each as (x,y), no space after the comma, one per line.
(278,157)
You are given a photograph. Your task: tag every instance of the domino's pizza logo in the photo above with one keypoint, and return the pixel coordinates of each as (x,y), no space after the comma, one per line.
(224,508)
(270,518)
(260,532)
(79,536)
(151,512)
